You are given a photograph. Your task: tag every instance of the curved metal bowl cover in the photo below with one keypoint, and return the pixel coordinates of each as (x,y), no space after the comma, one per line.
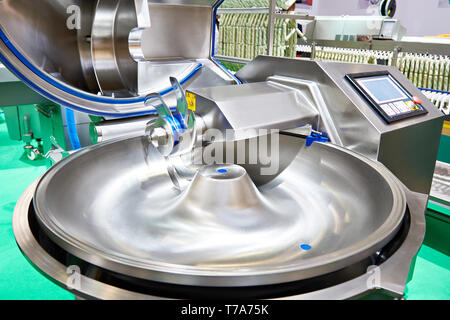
(77,53)
(115,206)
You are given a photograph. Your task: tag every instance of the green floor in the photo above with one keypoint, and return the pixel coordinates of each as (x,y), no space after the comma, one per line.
(19,280)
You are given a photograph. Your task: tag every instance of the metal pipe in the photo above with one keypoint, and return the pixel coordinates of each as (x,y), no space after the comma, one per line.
(271,27)
(122,128)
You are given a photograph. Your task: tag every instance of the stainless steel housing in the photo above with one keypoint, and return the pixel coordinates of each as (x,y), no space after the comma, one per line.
(408,148)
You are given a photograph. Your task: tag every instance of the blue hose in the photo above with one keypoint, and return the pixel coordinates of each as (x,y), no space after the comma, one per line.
(72,129)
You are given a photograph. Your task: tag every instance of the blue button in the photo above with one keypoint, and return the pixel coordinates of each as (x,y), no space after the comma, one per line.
(305,246)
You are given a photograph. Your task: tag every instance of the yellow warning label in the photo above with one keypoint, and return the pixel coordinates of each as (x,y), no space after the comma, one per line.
(447,124)
(191,100)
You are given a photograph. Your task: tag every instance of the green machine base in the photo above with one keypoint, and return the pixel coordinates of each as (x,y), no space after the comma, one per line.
(39,127)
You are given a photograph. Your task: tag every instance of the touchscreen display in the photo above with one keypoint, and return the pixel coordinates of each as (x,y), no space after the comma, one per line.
(386,95)
(382,89)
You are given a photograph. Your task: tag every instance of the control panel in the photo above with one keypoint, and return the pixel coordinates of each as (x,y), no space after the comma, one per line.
(385,94)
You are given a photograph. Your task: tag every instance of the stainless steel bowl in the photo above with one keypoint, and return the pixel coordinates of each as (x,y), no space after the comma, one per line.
(114,205)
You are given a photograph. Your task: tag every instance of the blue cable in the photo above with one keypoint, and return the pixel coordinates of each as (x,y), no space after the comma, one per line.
(72,129)
(434,90)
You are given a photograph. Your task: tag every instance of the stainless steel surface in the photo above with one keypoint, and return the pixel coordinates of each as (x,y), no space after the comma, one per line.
(189,29)
(44,39)
(413,141)
(316,103)
(124,207)
(232,59)
(194,225)
(52,267)
(408,147)
(253,106)
(259,155)
(84,39)
(70,62)
(138,224)
(113,129)
(393,272)
(351,125)
(115,70)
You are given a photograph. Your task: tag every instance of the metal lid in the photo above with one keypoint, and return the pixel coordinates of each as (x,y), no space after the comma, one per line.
(103,57)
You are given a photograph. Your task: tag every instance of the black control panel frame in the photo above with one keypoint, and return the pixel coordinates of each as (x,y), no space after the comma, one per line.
(388,118)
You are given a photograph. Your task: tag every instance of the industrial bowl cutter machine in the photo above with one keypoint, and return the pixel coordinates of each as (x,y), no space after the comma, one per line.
(331,205)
